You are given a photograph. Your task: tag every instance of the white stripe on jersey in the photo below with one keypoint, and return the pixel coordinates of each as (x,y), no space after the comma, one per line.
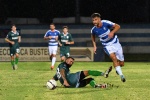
(104,31)
(109,22)
(113,41)
(54,34)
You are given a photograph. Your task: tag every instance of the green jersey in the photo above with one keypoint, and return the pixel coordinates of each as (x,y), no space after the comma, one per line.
(65,48)
(13,37)
(72,78)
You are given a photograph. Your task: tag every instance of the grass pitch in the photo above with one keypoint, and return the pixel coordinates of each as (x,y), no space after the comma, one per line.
(28,82)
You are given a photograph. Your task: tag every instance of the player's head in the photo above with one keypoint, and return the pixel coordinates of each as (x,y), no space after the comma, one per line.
(52,26)
(65,29)
(96,18)
(69,61)
(13,27)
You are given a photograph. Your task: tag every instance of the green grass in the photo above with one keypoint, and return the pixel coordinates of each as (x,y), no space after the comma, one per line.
(28,82)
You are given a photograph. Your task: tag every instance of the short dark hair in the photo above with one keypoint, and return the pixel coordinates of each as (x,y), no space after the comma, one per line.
(95,15)
(52,24)
(65,27)
(70,57)
(13,25)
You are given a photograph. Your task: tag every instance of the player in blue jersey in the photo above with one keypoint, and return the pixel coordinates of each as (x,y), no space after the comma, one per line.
(52,36)
(105,30)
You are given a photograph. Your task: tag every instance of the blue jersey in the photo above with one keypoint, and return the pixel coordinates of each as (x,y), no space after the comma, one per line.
(54,34)
(103,32)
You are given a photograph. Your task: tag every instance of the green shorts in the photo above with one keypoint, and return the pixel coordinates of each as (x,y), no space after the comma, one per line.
(64,54)
(64,51)
(14,49)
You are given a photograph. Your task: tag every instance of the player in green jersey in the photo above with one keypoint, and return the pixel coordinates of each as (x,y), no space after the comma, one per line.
(14,38)
(78,79)
(65,39)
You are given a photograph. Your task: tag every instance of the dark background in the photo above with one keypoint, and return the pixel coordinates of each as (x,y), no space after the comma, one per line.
(121,11)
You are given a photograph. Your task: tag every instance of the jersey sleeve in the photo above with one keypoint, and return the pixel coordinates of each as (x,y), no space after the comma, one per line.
(92,31)
(8,36)
(55,77)
(70,38)
(59,37)
(109,23)
(19,33)
(58,33)
(46,34)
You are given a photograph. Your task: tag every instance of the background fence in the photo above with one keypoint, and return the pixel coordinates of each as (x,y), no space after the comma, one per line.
(135,39)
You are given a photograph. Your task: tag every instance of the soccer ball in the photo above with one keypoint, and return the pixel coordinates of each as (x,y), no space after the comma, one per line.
(51,84)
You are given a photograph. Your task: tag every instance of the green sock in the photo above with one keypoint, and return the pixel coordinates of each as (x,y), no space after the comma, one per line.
(12,62)
(95,73)
(93,83)
(16,60)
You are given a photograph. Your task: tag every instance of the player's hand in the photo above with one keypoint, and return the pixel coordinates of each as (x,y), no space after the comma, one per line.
(56,38)
(94,50)
(67,42)
(111,35)
(19,41)
(50,37)
(60,44)
(66,83)
(12,42)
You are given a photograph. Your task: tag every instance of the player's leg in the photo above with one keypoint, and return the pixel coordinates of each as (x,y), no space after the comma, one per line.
(16,60)
(63,58)
(17,57)
(120,58)
(121,63)
(12,62)
(97,73)
(117,66)
(83,82)
(62,55)
(54,52)
(12,52)
(111,52)
(50,54)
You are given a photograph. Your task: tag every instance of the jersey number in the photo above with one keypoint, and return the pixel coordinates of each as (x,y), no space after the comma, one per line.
(58,73)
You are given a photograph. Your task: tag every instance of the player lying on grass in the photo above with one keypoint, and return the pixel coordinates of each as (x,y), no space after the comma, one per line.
(78,79)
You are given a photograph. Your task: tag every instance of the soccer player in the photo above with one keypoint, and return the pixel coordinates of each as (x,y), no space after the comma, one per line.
(78,79)
(65,39)
(14,38)
(105,30)
(52,36)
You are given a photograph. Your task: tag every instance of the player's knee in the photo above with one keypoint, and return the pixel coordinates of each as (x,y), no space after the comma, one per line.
(12,57)
(121,64)
(17,55)
(86,73)
(54,55)
(62,59)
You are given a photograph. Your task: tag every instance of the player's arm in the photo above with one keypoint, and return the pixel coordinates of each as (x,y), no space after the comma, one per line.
(19,39)
(59,39)
(70,40)
(115,27)
(55,77)
(47,37)
(8,40)
(11,42)
(62,72)
(93,42)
